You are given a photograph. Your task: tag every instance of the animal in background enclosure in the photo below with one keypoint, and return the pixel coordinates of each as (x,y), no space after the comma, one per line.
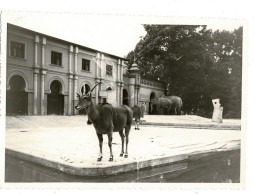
(143,107)
(176,104)
(163,105)
(106,120)
(153,108)
(137,115)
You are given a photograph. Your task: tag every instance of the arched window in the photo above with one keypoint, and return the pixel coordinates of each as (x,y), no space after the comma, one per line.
(85,89)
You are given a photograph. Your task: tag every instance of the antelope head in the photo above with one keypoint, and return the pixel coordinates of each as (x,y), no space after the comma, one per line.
(84,100)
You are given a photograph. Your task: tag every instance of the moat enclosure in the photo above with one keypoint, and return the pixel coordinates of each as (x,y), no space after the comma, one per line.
(216,167)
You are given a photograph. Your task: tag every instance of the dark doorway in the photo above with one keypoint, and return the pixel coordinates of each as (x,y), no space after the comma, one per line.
(125,97)
(152,106)
(84,90)
(16,97)
(55,102)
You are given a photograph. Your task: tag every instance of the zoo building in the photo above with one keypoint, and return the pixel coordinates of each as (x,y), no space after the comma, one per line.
(44,75)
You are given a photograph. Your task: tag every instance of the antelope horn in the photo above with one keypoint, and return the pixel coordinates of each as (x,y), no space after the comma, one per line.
(78,95)
(93,87)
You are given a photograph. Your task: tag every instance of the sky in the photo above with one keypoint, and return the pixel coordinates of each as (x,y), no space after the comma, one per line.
(114,34)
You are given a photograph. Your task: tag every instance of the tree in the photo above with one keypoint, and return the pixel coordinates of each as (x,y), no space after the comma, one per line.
(194,62)
(226,73)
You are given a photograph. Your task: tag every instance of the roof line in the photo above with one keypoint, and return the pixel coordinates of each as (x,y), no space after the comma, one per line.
(75,44)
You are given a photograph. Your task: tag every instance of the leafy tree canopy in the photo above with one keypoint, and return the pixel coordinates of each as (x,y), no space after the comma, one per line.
(195,63)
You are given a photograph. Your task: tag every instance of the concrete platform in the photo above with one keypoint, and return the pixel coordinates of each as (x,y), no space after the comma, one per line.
(70,145)
(191,121)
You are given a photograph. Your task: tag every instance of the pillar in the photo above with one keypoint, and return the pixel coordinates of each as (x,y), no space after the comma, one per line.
(35,93)
(118,93)
(121,70)
(42,93)
(97,77)
(75,81)
(133,84)
(36,72)
(118,78)
(70,59)
(70,78)
(121,93)
(135,95)
(75,77)
(43,72)
(138,85)
(131,91)
(121,63)
(96,91)
(76,51)
(102,75)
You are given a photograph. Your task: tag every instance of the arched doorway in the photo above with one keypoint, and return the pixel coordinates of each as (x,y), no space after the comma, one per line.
(84,90)
(125,97)
(16,97)
(55,102)
(152,107)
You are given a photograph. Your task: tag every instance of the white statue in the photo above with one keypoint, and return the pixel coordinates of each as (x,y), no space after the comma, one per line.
(217,111)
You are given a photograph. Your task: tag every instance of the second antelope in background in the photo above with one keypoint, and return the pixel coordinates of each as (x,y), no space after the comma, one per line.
(137,114)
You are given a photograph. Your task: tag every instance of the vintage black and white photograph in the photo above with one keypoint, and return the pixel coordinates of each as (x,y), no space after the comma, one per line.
(122,99)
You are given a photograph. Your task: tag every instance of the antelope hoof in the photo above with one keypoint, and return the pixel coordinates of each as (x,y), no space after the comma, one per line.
(138,129)
(121,154)
(126,155)
(135,128)
(99,159)
(111,159)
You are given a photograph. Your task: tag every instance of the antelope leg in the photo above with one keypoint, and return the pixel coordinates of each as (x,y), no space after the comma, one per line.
(110,145)
(100,138)
(122,142)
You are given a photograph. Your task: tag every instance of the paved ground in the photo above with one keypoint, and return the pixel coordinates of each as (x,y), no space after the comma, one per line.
(70,145)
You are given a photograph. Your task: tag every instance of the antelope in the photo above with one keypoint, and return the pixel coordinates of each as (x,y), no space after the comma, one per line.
(107,119)
(138,112)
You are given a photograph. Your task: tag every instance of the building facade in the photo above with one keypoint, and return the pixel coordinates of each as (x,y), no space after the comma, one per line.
(44,75)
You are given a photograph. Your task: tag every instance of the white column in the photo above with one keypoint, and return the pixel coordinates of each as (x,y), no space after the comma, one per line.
(42,94)
(43,51)
(76,60)
(97,91)
(97,76)
(118,70)
(121,93)
(97,69)
(121,70)
(75,77)
(117,94)
(70,94)
(36,50)
(35,93)
(36,72)
(75,91)
(70,78)
(43,72)
(70,59)
(102,67)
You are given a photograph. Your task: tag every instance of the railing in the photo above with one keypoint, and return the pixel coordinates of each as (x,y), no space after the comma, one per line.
(152,83)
